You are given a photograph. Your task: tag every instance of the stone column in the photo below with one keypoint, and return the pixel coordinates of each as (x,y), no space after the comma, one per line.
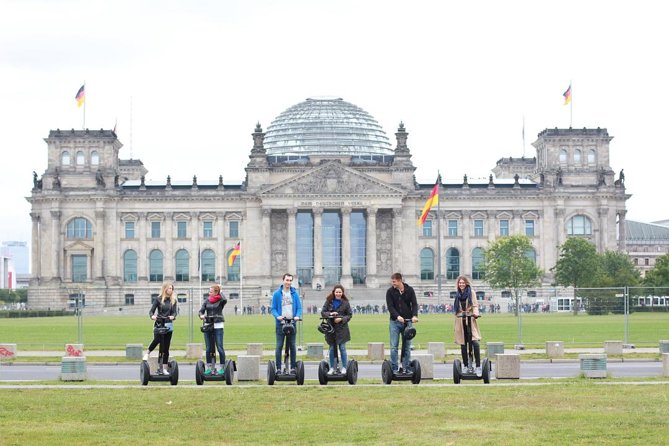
(397,240)
(221,259)
(517,224)
(195,248)
(98,245)
(346,278)
(267,239)
(371,279)
(466,254)
(603,213)
(492,225)
(142,256)
(318,247)
(621,230)
(57,244)
(292,240)
(168,256)
(35,257)
(560,230)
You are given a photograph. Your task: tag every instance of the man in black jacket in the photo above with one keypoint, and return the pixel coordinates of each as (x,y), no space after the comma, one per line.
(403,309)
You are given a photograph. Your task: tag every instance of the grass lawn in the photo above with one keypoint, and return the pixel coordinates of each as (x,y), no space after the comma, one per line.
(579,412)
(114,331)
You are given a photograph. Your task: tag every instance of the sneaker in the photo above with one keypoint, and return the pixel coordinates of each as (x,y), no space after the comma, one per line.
(221,371)
(343,370)
(145,357)
(208,372)
(292,371)
(479,372)
(331,371)
(464,369)
(400,371)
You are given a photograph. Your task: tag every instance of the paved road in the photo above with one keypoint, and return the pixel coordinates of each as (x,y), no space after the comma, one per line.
(528,370)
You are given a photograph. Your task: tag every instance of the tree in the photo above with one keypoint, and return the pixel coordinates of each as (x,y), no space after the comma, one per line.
(618,270)
(579,265)
(507,265)
(659,275)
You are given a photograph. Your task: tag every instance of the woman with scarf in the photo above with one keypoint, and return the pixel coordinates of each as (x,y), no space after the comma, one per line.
(465,301)
(212,313)
(338,308)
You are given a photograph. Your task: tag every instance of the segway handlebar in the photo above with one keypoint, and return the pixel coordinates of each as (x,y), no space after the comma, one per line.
(464,315)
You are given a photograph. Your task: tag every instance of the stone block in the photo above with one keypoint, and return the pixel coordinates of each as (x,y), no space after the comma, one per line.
(664,346)
(437,349)
(426,361)
(7,352)
(665,364)
(593,365)
(613,347)
(74,350)
(555,349)
(194,351)
(315,350)
(507,366)
(73,368)
(134,351)
(494,348)
(375,351)
(254,349)
(248,367)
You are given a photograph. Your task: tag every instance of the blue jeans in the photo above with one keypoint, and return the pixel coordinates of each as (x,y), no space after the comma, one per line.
(279,348)
(342,355)
(214,338)
(397,329)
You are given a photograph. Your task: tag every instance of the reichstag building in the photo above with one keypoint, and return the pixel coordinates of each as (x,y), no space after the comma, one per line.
(327,196)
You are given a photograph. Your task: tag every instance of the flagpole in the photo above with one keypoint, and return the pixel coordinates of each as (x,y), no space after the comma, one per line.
(571,103)
(438,242)
(523,136)
(84,121)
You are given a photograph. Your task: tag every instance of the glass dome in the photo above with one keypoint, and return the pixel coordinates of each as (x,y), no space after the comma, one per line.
(325,126)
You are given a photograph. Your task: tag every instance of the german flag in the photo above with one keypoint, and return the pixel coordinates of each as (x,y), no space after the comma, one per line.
(236,251)
(567,95)
(432,201)
(81,96)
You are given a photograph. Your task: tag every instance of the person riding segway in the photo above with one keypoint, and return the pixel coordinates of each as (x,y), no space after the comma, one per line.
(286,373)
(163,312)
(403,308)
(286,309)
(161,330)
(468,335)
(213,320)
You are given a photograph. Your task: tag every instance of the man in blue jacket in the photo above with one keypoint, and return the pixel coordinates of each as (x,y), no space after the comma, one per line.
(286,305)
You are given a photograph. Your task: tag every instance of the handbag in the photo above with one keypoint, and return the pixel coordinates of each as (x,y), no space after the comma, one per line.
(207,327)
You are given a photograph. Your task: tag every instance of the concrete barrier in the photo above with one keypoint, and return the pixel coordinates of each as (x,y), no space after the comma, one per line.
(438,350)
(593,365)
(375,351)
(74,350)
(555,349)
(7,352)
(248,368)
(254,349)
(426,361)
(315,350)
(73,368)
(664,346)
(613,347)
(194,351)
(507,366)
(494,348)
(665,364)
(134,351)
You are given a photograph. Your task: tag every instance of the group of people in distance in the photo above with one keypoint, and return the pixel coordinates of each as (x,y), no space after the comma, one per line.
(400,300)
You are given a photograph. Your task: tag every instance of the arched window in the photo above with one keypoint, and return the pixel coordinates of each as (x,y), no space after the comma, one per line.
(591,156)
(95,158)
(233,271)
(79,228)
(531,254)
(577,156)
(563,156)
(579,225)
(452,263)
(477,264)
(181,266)
(65,158)
(426,264)
(80,158)
(156,266)
(208,262)
(130,266)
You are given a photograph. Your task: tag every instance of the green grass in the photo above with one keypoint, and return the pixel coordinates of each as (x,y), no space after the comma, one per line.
(577,412)
(113,332)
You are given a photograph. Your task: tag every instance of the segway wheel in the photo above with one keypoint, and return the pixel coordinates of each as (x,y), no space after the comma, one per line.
(386,372)
(299,373)
(485,369)
(199,373)
(457,367)
(174,372)
(352,372)
(271,373)
(229,372)
(144,373)
(415,366)
(323,368)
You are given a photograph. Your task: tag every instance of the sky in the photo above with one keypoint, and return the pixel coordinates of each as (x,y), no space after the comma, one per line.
(185,82)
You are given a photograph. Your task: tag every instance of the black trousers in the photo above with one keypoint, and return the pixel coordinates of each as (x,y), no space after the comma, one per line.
(477,354)
(164,341)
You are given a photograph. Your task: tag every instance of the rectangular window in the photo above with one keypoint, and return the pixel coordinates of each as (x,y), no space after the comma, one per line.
(452,228)
(427,228)
(208,229)
(503,228)
(129,229)
(155,229)
(234,229)
(79,268)
(529,228)
(304,225)
(478,228)
(182,229)
(130,299)
(358,247)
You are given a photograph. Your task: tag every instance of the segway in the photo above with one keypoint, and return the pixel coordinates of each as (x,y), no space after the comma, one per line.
(229,367)
(351,374)
(413,372)
(469,372)
(286,374)
(172,374)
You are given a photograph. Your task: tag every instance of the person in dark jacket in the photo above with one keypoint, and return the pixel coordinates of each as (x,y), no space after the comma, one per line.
(403,309)
(163,311)
(212,313)
(338,308)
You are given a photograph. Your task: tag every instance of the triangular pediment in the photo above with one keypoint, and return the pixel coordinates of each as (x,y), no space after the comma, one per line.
(78,246)
(332,179)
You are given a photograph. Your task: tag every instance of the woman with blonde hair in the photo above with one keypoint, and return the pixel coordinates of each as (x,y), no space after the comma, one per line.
(466,302)
(163,311)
